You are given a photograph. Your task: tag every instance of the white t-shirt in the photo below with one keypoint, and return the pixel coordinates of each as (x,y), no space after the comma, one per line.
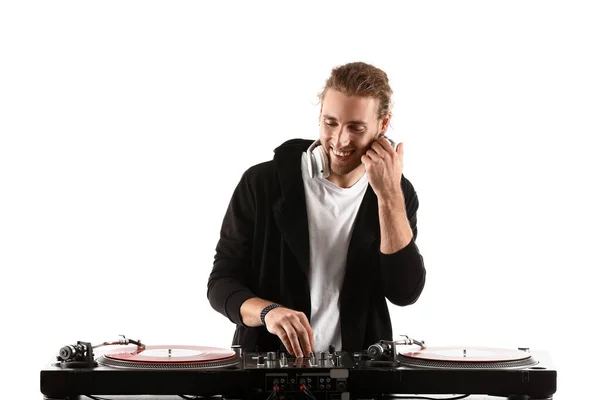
(331,214)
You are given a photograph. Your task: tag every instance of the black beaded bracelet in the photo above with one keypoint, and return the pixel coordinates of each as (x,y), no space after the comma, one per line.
(265,310)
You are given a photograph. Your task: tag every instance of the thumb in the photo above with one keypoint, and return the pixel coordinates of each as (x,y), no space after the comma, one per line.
(400,148)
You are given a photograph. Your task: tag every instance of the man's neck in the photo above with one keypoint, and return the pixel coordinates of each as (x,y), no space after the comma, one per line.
(348,180)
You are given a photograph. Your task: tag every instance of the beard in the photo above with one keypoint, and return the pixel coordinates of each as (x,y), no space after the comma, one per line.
(344,166)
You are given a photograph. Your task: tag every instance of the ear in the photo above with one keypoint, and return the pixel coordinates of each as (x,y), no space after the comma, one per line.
(320,114)
(385,123)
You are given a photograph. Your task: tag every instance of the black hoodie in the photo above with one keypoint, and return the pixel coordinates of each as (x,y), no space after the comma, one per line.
(263,251)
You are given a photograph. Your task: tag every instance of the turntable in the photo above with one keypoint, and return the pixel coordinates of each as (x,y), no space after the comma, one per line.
(386,369)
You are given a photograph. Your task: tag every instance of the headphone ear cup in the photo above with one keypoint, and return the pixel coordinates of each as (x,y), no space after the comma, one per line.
(309,163)
(317,161)
(394,144)
(321,162)
(310,159)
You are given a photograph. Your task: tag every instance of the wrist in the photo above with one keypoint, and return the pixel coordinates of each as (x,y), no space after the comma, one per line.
(392,200)
(265,311)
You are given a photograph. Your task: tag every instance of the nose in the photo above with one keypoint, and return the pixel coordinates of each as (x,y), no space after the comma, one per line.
(341,137)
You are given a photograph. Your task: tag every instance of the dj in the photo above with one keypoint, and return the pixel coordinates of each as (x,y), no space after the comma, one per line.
(314,241)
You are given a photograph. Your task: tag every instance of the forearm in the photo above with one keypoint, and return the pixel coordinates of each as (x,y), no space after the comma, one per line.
(403,275)
(226,295)
(250,311)
(396,232)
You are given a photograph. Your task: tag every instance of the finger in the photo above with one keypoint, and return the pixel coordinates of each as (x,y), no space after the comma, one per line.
(293,338)
(386,142)
(309,331)
(372,154)
(382,147)
(284,339)
(366,160)
(377,147)
(400,148)
(303,336)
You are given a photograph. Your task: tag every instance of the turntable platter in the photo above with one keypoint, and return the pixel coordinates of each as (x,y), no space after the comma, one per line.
(466,357)
(170,356)
(467,354)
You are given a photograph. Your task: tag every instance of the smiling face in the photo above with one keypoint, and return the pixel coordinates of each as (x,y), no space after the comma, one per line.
(349,124)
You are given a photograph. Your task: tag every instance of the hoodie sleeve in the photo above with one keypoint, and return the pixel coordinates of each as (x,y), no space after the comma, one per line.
(228,283)
(403,272)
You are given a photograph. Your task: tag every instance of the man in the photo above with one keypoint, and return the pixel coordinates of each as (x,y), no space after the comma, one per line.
(307,259)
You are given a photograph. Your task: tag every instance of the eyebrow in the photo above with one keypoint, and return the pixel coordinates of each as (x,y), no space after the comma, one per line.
(325,116)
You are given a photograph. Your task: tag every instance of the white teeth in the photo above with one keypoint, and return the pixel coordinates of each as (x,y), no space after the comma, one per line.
(342,154)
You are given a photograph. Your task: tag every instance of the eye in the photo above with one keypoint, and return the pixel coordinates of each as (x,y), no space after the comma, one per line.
(330,123)
(357,128)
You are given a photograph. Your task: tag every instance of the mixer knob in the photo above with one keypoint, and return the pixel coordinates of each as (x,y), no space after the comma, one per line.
(271,356)
(338,360)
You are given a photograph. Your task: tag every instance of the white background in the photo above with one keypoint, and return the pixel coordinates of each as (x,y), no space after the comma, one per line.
(126,125)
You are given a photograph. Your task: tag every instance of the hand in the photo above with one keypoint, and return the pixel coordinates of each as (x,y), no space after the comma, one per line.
(384,166)
(292,328)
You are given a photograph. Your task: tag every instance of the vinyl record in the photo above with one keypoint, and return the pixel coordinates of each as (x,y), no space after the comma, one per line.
(467,354)
(466,357)
(169,356)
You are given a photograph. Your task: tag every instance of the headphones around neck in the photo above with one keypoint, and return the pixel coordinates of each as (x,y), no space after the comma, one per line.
(318,161)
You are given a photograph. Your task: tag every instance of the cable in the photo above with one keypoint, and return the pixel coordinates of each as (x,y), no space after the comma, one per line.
(272,395)
(307,392)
